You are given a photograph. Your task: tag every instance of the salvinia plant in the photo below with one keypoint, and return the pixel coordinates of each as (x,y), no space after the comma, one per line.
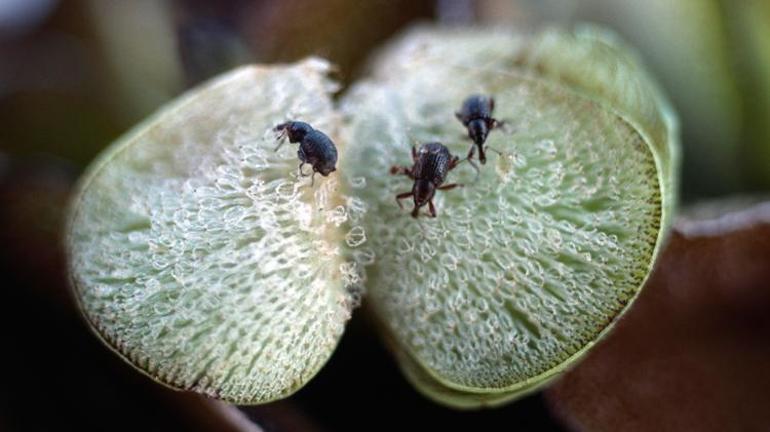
(200,256)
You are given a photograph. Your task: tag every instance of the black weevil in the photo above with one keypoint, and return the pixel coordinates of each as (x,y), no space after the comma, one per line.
(431,165)
(315,148)
(476,116)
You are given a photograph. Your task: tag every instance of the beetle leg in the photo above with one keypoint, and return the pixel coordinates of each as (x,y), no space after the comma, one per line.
(415,212)
(414,153)
(450,186)
(401,196)
(494,150)
(471,150)
(299,170)
(453,163)
(469,158)
(312,178)
(402,170)
(432,208)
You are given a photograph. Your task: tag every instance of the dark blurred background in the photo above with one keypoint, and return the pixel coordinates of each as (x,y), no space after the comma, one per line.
(76,74)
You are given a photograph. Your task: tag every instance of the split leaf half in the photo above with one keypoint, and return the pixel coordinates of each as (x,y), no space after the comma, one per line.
(527,267)
(200,255)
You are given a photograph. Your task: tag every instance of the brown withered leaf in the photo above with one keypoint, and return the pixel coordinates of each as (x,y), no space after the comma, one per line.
(694,352)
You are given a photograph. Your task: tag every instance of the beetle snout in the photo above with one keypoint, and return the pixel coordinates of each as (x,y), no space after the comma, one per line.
(423,192)
(281,127)
(478,131)
(326,171)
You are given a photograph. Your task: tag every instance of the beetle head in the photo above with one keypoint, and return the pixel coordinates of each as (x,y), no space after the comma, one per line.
(326,169)
(478,131)
(423,192)
(295,130)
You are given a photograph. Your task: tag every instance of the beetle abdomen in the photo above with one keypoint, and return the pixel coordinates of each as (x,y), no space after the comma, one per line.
(433,163)
(476,107)
(319,151)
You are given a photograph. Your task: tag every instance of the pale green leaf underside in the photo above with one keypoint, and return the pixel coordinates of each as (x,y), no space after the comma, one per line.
(525,269)
(197,254)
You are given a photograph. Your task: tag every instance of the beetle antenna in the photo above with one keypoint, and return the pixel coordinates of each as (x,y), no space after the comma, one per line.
(494,150)
(475,167)
(504,126)
(282,130)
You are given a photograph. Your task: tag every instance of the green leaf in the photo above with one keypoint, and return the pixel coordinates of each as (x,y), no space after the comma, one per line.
(525,269)
(196,253)
(199,256)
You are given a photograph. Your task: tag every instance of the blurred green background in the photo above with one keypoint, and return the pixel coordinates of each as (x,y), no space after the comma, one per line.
(76,74)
